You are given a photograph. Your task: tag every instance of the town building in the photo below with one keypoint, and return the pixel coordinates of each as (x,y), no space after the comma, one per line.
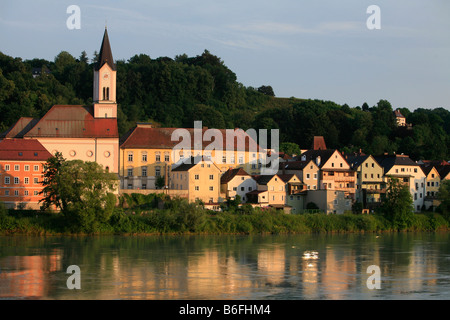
(335,172)
(201,178)
(370,181)
(295,192)
(148,152)
(307,171)
(21,172)
(408,172)
(235,182)
(270,192)
(433,182)
(330,201)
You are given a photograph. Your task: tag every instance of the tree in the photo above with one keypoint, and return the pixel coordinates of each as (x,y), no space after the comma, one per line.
(290,148)
(160,182)
(267,90)
(398,206)
(83,191)
(444,197)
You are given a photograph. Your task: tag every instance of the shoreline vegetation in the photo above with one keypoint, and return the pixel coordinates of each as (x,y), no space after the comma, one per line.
(155,215)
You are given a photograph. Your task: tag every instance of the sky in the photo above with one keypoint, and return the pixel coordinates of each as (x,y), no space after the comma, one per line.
(320,49)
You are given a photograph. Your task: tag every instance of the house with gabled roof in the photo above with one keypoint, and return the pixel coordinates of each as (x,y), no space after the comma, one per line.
(433,182)
(201,178)
(21,172)
(270,192)
(235,182)
(410,173)
(307,171)
(335,172)
(370,181)
(296,192)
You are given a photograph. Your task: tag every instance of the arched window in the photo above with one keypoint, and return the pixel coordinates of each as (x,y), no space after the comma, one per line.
(105,93)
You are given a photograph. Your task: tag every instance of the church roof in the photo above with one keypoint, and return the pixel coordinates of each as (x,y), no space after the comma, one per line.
(105,55)
(17,130)
(73,121)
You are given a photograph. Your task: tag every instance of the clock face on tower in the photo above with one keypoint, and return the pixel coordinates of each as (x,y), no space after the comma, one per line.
(106,76)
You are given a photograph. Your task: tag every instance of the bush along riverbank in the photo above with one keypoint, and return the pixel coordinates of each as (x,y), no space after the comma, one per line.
(180,217)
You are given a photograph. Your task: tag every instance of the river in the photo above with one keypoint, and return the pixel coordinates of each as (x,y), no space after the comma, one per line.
(240,267)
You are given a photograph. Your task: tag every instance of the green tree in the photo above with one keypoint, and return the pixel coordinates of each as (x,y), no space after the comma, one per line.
(444,197)
(290,148)
(398,206)
(83,191)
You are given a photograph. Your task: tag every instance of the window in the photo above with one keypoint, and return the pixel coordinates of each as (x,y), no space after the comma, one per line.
(332,164)
(158,157)
(157,171)
(241,159)
(250,188)
(242,188)
(234,188)
(415,170)
(16,167)
(144,186)
(211,188)
(16,180)
(16,192)
(197,177)
(315,176)
(130,186)
(26,193)
(7,167)
(35,193)
(373,165)
(130,172)
(6,192)
(26,180)
(144,171)
(35,180)
(197,188)
(7,180)
(341,165)
(27,167)
(144,157)
(211,177)
(307,176)
(224,159)
(166,157)
(36,168)
(130,157)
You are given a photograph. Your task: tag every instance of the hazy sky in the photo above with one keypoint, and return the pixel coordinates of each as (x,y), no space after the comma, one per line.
(318,49)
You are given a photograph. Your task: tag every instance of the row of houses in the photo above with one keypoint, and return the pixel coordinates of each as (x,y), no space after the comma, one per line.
(148,159)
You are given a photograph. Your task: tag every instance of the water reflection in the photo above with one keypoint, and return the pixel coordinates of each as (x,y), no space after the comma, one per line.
(226,267)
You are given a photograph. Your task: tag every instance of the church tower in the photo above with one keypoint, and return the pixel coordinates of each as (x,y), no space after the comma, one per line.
(104,97)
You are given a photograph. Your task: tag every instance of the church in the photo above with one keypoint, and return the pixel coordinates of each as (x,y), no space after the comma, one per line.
(87,133)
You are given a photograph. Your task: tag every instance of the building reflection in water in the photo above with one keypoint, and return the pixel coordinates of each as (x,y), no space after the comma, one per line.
(28,276)
(334,273)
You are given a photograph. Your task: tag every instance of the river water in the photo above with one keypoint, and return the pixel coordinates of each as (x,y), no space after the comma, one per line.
(263,267)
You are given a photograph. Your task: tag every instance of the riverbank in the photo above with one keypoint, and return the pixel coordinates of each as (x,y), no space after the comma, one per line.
(196,220)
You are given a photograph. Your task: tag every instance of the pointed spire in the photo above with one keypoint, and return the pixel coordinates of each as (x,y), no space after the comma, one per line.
(105,55)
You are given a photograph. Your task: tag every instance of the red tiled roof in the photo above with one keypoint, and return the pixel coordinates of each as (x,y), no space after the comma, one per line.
(160,138)
(22,126)
(73,121)
(23,149)
(319,143)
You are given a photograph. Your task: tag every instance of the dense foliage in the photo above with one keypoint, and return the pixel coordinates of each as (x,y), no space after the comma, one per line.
(83,191)
(156,214)
(175,92)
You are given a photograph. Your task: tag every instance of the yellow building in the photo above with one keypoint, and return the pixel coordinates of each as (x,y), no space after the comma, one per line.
(370,183)
(270,192)
(200,177)
(307,171)
(433,182)
(335,172)
(147,153)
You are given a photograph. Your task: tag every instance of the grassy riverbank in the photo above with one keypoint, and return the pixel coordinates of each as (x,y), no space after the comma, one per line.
(193,219)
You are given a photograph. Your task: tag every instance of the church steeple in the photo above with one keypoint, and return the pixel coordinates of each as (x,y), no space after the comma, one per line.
(105,55)
(105,82)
